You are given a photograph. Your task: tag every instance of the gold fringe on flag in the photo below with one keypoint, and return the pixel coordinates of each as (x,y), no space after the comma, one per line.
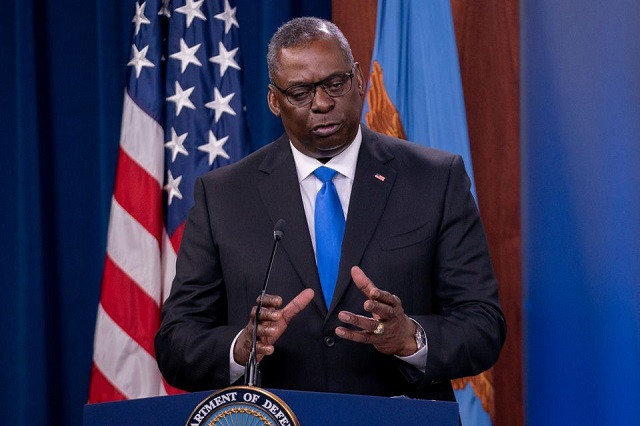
(382,116)
(482,386)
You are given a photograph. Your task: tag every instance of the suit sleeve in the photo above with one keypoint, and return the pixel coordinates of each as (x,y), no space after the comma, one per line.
(467,330)
(192,345)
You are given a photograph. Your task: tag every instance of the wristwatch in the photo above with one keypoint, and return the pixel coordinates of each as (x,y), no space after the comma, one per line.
(420,336)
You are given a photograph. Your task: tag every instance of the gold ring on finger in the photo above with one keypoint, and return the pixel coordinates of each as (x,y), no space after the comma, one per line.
(379,328)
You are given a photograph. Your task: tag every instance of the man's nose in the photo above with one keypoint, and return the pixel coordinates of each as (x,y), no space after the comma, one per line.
(322,102)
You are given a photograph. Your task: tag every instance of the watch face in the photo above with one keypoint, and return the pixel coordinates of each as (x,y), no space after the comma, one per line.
(420,336)
(421,339)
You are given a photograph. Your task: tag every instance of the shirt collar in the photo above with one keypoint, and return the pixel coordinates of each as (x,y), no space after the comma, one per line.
(344,163)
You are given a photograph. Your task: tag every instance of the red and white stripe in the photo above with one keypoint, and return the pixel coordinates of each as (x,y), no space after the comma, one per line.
(139,267)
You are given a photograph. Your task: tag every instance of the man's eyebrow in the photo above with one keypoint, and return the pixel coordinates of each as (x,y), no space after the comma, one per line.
(297,83)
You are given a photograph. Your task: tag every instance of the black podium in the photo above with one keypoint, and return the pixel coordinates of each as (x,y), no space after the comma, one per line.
(311,408)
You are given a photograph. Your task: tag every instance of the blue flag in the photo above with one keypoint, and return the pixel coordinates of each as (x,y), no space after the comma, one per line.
(415,55)
(415,93)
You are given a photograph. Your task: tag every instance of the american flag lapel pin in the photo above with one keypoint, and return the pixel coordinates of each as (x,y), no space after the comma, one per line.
(379,177)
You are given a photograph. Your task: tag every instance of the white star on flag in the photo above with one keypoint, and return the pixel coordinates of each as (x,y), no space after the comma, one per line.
(176,144)
(187,55)
(172,187)
(225,58)
(228,16)
(139,18)
(192,11)
(215,147)
(181,98)
(164,9)
(220,104)
(139,59)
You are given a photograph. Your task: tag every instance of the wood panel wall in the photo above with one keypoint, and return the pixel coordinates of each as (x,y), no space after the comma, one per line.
(487,37)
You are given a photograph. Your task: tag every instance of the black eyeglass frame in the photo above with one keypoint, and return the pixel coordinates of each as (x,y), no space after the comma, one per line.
(315,85)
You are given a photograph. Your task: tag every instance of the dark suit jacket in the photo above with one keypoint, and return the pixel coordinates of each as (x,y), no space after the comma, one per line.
(416,234)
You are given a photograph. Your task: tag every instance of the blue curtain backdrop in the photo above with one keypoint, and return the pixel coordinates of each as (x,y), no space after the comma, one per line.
(62,76)
(581,210)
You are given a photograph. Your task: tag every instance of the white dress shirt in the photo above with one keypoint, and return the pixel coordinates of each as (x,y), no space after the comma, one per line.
(343,163)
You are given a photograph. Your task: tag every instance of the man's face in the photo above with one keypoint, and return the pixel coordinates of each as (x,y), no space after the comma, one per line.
(325,127)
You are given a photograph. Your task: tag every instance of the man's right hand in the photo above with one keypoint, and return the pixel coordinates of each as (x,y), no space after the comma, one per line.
(272,323)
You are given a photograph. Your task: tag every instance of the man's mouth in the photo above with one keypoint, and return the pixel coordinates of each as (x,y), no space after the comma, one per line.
(324,130)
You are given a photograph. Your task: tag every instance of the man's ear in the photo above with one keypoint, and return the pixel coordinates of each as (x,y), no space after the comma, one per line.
(360,80)
(272,101)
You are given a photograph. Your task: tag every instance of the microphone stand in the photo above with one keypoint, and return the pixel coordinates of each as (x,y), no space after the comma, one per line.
(251,371)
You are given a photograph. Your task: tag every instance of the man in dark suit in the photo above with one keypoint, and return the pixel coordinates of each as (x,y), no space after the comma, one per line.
(414,303)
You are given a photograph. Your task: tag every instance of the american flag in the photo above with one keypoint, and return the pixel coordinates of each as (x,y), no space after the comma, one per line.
(182,116)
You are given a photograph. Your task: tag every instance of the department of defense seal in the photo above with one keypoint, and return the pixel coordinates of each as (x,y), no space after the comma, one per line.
(242,405)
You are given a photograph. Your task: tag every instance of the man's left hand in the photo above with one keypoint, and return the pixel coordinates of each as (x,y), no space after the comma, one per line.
(389,329)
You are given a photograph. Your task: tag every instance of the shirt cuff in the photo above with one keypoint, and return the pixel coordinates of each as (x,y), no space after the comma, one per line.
(235,370)
(418,359)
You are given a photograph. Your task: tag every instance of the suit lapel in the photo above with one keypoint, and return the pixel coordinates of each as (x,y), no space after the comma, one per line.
(372,185)
(280,193)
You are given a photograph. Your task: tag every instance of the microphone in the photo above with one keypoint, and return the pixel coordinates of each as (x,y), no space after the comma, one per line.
(251,371)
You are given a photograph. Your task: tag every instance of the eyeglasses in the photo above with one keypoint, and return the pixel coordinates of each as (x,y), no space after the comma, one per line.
(302,94)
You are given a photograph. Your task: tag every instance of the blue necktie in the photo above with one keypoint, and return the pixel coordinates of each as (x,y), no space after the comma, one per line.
(329,227)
